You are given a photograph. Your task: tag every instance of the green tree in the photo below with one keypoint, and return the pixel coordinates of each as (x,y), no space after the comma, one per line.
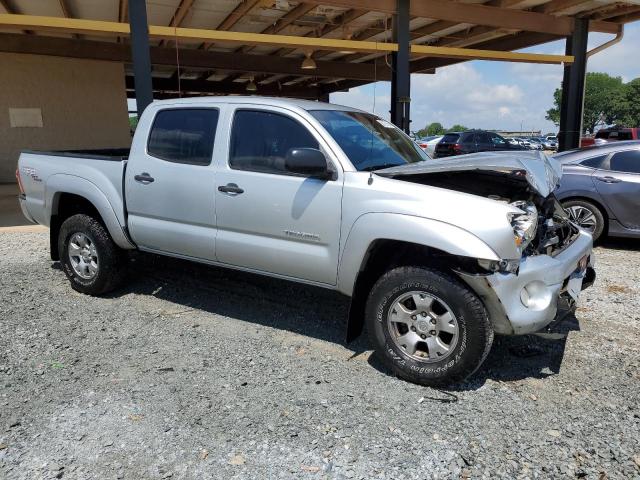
(627,104)
(434,128)
(601,91)
(457,128)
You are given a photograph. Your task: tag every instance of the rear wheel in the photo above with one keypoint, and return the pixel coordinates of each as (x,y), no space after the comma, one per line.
(428,327)
(586,215)
(92,262)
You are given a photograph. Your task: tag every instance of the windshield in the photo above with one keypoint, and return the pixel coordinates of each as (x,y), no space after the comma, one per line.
(370,142)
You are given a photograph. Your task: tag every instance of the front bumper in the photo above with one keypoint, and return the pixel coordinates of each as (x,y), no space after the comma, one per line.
(540,282)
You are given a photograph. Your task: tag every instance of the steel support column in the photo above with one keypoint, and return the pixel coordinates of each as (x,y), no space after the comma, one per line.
(572,103)
(401,75)
(140,53)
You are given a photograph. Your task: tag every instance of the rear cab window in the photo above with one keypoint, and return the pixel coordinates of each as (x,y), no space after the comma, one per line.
(183,135)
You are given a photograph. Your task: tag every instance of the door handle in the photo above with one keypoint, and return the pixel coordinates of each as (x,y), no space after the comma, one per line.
(231,188)
(144,177)
(609,179)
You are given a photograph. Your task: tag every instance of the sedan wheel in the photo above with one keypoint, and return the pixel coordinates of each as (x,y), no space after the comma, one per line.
(583,217)
(586,215)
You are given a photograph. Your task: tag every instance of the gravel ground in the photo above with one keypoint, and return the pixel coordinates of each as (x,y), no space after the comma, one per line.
(194,372)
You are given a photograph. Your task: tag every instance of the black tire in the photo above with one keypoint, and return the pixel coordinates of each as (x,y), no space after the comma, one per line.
(474,329)
(600,222)
(111,260)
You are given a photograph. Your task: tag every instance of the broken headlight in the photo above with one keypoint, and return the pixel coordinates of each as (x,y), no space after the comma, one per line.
(524,224)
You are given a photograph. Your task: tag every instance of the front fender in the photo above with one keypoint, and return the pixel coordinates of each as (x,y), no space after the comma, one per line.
(63,183)
(390,226)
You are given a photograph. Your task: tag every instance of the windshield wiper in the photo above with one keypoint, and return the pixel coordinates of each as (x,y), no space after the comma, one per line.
(381,167)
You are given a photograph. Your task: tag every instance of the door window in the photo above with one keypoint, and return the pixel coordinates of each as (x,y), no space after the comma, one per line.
(183,135)
(260,141)
(628,161)
(497,140)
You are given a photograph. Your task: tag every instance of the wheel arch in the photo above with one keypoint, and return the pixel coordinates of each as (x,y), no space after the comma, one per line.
(68,195)
(383,253)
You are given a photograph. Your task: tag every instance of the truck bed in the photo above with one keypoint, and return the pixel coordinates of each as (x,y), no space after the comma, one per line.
(109,154)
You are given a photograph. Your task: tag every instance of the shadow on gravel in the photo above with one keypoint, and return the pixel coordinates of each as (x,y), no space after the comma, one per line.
(321,314)
(294,307)
(632,244)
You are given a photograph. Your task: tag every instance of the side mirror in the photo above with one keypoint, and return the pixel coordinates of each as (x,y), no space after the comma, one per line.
(307,161)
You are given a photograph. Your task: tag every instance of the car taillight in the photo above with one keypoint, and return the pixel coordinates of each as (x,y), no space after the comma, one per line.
(422,145)
(20,186)
(456,147)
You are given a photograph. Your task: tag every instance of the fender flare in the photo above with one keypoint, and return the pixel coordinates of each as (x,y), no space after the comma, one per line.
(390,226)
(63,183)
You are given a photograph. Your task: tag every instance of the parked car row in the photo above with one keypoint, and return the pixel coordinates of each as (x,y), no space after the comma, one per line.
(471,141)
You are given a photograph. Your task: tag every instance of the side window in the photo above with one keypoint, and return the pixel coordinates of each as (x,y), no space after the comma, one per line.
(594,162)
(483,138)
(260,141)
(628,161)
(468,138)
(184,135)
(497,139)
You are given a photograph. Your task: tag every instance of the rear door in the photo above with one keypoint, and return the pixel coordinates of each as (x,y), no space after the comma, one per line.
(170,184)
(618,182)
(483,142)
(269,219)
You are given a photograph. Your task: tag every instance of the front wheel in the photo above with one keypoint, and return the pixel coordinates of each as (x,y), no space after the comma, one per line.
(427,327)
(92,262)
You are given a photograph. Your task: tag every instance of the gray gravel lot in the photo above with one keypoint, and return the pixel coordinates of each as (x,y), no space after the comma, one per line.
(194,372)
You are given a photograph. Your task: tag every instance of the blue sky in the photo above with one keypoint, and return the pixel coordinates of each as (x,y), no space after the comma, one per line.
(496,95)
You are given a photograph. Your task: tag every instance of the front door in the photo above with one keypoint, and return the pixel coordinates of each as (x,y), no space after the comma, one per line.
(269,219)
(618,181)
(170,184)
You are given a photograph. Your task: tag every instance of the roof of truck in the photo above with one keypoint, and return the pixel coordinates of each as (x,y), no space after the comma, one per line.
(257,99)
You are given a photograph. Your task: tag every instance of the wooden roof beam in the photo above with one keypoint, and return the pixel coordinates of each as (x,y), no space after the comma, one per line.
(244,7)
(476,14)
(179,15)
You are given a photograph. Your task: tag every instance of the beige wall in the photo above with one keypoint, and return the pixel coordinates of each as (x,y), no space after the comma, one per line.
(83,105)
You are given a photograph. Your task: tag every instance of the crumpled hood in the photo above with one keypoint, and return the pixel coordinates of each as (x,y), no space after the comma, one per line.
(542,173)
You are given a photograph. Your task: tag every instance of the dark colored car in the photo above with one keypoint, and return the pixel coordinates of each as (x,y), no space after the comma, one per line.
(459,143)
(600,188)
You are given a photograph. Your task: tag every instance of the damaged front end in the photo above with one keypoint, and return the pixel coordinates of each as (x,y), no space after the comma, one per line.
(524,180)
(555,261)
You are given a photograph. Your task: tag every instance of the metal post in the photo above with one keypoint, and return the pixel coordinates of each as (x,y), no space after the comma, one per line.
(401,76)
(572,103)
(140,54)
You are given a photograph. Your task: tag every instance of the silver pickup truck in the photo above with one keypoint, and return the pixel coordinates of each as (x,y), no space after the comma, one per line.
(436,255)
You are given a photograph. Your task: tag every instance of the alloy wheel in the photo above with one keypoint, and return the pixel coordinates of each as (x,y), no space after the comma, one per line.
(423,326)
(83,256)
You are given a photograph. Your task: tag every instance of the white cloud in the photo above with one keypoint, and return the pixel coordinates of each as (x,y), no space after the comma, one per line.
(620,59)
(457,94)
(496,95)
